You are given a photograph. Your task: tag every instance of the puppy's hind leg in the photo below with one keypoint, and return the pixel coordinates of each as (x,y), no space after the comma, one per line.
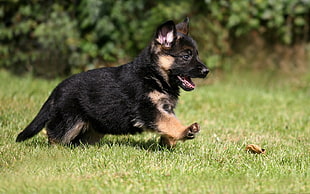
(64,130)
(74,132)
(89,136)
(82,132)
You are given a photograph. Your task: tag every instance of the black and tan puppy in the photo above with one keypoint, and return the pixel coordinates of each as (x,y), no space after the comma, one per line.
(132,98)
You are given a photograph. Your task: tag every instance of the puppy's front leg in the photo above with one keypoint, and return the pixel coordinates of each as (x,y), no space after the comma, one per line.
(172,130)
(167,124)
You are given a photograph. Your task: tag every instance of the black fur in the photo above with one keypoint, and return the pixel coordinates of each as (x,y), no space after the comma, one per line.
(120,100)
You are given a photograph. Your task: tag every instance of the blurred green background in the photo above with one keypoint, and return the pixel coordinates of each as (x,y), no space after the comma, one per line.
(58,38)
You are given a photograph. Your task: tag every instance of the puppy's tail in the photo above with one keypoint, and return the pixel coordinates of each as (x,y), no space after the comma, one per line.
(37,124)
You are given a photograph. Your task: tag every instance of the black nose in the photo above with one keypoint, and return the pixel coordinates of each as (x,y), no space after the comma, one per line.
(204,71)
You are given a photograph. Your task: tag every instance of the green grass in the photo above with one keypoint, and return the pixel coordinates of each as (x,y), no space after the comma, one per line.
(233,109)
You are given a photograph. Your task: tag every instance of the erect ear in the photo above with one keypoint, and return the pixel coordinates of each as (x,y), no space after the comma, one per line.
(165,34)
(183,27)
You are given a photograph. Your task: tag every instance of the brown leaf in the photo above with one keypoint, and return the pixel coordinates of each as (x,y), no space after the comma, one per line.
(255,149)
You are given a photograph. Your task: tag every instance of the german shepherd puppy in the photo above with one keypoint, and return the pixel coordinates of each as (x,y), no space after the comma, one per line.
(128,99)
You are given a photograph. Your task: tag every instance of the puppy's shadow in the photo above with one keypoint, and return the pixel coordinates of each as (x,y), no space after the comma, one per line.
(148,145)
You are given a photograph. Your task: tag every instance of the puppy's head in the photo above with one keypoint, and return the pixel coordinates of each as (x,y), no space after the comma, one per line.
(177,55)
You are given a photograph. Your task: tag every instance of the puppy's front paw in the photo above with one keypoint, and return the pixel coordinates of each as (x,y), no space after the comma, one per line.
(192,130)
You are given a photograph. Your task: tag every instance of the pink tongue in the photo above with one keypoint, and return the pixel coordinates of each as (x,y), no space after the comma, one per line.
(188,82)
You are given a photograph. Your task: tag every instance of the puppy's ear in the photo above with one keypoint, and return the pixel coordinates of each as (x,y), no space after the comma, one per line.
(166,34)
(183,27)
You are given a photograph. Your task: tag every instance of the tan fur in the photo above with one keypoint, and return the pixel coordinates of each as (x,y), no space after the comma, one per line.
(165,62)
(168,125)
(161,99)
(138,123)
(88,134)
(156,96)
(155,48)
(79,127)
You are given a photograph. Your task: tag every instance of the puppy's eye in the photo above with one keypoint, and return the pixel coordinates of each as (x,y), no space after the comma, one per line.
(185,57)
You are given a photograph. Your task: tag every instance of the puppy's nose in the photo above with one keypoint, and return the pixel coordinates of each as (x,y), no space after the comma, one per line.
(205,71)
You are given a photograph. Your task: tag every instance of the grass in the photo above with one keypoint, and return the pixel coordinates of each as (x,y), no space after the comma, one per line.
(233,109)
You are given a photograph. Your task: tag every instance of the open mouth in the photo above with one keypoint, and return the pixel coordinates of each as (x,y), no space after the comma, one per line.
(186,83)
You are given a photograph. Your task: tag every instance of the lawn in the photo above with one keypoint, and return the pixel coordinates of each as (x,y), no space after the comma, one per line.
(234,109)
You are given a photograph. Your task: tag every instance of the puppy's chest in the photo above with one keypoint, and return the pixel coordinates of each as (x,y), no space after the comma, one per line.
(163,102)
